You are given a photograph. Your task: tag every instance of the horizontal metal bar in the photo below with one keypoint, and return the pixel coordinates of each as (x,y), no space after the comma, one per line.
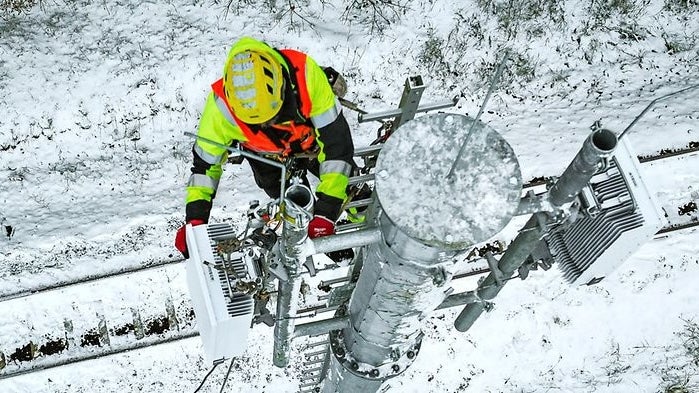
(317,344)
(317,309)
(312,370)
(368,150)
(310,377)
(395,112)
(458,299)
(345,240)
(315,361)
(340,229)
(472,273)
(316,353)
(358,203)
(361,179)
(332,281)
(320,327)
(107,351)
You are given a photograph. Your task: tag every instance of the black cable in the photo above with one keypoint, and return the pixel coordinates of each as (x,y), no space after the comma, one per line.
(216,363)
(643,112)
(225,379)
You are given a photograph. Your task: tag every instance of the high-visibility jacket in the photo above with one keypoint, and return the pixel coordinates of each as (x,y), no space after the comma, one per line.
(319,118)
(300,134)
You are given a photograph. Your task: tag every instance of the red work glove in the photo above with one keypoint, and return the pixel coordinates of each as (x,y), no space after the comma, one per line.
(320,226)
(180,237)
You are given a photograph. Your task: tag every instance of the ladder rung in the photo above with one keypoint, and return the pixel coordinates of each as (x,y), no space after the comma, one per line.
(317,343)
(367,150)
(315,361)
(317,353)
(305,378)
(361,178)
(349,227)
(312,370)
(359,203)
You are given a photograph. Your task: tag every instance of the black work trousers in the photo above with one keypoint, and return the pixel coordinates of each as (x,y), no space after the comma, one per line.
(268,177)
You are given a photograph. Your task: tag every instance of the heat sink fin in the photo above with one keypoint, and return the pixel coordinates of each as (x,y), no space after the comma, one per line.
(622,215)
(223,313)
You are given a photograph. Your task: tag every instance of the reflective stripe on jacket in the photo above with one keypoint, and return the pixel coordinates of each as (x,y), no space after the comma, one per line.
(317,104)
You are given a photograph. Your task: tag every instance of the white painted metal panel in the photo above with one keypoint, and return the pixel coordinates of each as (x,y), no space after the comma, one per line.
(223,335)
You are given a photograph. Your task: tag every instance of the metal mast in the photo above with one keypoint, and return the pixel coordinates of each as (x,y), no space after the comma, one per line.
(424,221)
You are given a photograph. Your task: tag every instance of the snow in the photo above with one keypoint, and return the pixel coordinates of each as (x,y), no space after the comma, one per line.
(450,208)
(96,96)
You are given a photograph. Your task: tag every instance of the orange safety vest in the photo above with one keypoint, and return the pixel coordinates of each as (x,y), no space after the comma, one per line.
(301,134)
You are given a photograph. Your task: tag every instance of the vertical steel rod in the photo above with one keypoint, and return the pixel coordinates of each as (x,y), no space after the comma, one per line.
(493,83)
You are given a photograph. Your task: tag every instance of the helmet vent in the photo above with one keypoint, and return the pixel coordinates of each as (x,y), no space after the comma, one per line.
(253,85)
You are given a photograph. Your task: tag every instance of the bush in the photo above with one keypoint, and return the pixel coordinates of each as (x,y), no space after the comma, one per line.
(14,7)
(681,6)
(524,16)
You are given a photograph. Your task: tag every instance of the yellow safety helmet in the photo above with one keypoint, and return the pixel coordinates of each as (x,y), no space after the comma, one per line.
(253,83)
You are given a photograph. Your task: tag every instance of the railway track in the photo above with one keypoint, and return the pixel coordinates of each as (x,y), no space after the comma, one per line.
(105,337)
(691,149)
(95,344)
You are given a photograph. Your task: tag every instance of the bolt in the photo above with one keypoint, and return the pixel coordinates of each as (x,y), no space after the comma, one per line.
(354,366)
(411,354)
(273,266)
(374,373)
(395,368)
(340,352)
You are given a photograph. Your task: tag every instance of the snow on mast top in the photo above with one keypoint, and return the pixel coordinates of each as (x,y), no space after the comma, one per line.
(473,205)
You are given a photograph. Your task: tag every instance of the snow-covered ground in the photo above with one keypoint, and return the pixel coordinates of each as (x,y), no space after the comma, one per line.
(95,97)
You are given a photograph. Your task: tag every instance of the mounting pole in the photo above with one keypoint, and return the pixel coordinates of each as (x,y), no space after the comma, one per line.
(595,150)
(296,215)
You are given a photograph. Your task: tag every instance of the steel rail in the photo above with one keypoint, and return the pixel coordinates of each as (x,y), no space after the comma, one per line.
(186,334)
(664,154)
